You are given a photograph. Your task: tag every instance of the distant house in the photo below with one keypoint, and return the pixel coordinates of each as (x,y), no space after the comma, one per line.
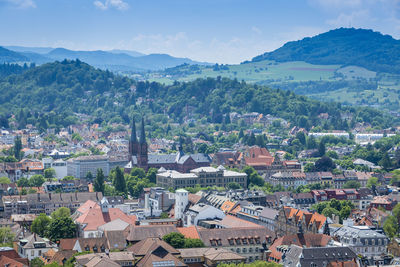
(34,246)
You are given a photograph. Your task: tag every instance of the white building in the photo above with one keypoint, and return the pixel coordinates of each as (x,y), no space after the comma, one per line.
(202,212)
(181,201)
(34,246)
(363,240)
(80,166)
(59,165)
(203,176)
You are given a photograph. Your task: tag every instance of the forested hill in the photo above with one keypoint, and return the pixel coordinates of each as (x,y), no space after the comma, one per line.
(49,95)
(344,46)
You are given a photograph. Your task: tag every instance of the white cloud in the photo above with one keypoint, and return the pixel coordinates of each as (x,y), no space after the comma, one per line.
(256,30)
(353,19)
(21,3)
(118,4)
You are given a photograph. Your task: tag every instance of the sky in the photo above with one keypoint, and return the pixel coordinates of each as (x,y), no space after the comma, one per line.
(223,31)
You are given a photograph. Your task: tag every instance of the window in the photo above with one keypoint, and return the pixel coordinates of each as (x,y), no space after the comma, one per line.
(238,241)
(244,240)
(244,250)
(40,253)
(313,264)
(32,252)
(230,242)
(257,240)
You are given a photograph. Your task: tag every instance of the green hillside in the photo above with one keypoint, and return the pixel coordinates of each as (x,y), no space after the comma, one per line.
(52,94)
(344,46)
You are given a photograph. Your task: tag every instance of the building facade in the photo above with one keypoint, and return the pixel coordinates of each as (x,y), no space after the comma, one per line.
(204,176)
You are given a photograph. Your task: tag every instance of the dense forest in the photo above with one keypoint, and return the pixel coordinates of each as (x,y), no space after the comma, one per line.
(52,94)
(344,46)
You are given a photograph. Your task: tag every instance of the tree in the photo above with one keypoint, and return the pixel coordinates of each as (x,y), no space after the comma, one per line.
(40,223)
(99,181)
(177,240)
(233,185)
(309,167)
(49,173)
(119,180)
(62,227)
(344,213)
(6,236)
(62,212)
(396,211)
(138,172)
(193,243)
(152,175)
(386,162)
(352,184)
(373,181)
(89,176)
(324,164)
(36,262)
(391,226)
(36,180)
(4,180)
(17,147)
(329,211)
(321,148)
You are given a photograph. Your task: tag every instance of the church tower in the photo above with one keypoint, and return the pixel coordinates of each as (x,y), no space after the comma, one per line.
(133,142)
(142,156)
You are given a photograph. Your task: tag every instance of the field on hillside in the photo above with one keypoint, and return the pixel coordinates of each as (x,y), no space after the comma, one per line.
(381,90)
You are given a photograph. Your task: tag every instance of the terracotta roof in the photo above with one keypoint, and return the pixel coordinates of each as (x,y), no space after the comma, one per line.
(301,240)
(232,222)
(227,206)
(86,206)
(6,261)
(94,217)
(309,217)
(62,255)
(194,199)
(189,232)
(67,243)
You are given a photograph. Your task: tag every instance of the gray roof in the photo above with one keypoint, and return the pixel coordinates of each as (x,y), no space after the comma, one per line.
(326,254)
(34,239)
(174,158)
(269,213)
(114,225)
(357,231)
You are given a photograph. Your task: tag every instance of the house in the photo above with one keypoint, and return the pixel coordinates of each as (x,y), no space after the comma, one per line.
(98,215)
(46,203)
(280,245)
(137,233)
(110,259)
(209,257)
(363,240)
(34,246)
(247,242)
(290,219)
(320,257)
(202,212)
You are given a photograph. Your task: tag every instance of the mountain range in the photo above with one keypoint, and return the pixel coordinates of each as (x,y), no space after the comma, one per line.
(113,60)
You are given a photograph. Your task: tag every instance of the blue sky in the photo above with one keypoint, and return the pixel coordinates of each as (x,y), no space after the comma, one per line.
(224,31)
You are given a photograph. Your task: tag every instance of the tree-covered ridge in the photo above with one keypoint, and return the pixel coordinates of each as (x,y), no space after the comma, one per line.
(344,46)
(50,95)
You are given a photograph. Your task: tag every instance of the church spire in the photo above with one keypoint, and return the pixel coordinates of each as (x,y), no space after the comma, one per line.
(133,133)
(142,133)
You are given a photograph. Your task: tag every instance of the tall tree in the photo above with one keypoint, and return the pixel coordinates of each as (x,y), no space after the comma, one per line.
(119,180)
(61,227)
(17,147)
(321,148)
(40,223)
(99,181)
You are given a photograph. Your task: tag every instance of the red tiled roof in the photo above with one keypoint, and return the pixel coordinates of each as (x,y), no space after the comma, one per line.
(94,217)
(189,232)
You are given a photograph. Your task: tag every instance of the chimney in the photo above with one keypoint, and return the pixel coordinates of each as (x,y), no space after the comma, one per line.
(50,196)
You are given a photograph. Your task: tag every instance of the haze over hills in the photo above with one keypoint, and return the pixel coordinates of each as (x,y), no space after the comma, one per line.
(114,60)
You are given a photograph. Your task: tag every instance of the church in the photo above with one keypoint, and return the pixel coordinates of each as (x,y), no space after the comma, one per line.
(139,156)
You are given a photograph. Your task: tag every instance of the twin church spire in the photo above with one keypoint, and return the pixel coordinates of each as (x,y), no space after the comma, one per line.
(142,133)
